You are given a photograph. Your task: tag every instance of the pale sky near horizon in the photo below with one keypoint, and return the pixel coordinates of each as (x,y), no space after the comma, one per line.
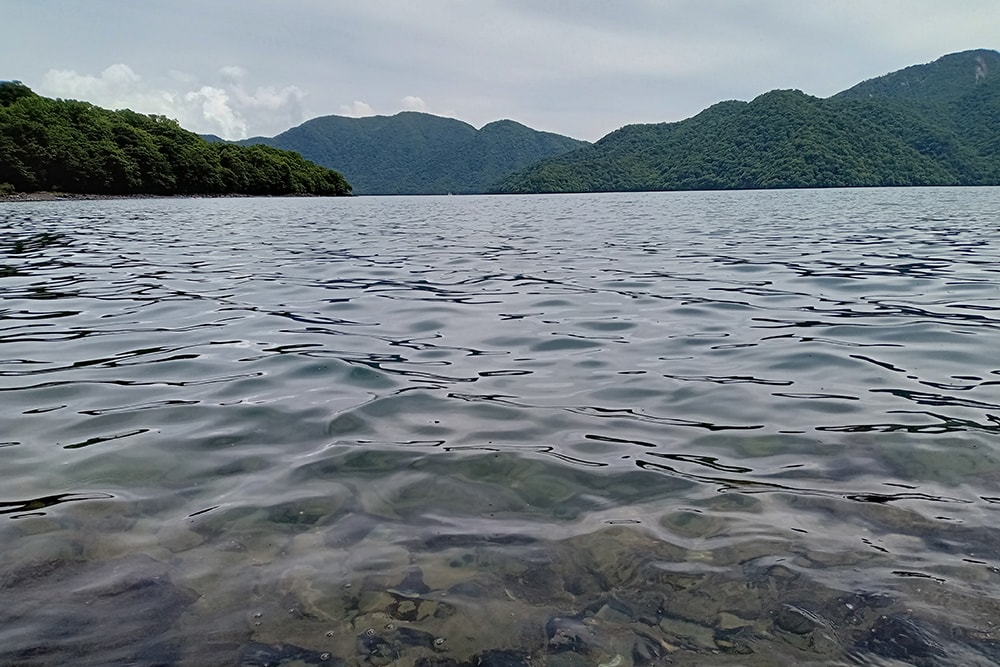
(583,68)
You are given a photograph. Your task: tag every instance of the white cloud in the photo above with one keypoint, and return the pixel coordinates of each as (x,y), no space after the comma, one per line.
(582,68)
(114,80)
(269,98)
(267,106)
(357,109)
(414,103)
(226,107)
(120,76)
(215,107)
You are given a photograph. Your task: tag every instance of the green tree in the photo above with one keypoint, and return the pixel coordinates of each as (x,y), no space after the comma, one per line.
(77,147)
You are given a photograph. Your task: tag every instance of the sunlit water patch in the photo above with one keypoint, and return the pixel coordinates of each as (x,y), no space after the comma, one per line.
(684,428)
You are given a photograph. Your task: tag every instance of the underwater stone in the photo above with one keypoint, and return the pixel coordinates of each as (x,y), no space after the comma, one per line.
(612,614)
(404,609)
(794,620)
(412,583)
(729,621)
(437,662)
(649,651)
(470,589)
(691,633)
(900,638)
(410,637)
(375,648)
(500,658)
(70,606)
(855,607)
(567,634)
(272,655)
(642,606)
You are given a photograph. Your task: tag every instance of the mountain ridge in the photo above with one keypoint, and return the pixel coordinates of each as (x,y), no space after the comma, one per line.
(412,152)
(931,124)
(943,74)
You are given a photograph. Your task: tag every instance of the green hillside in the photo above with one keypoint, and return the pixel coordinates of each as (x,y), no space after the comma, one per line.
(76,147)
(934,124)
(960,91)
(418,153)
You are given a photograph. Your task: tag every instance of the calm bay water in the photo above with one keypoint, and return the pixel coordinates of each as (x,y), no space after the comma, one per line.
(631,429)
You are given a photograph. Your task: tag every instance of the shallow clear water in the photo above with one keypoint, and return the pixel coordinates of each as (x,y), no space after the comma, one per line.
(726,428)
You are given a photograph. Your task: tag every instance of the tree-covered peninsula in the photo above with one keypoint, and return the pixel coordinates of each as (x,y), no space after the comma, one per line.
(76,147)
(418,153)
(932,124)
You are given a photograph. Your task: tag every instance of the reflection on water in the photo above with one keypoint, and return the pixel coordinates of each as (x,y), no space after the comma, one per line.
(674,428)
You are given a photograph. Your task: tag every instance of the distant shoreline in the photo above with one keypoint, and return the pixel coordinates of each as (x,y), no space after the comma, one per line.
(75,196)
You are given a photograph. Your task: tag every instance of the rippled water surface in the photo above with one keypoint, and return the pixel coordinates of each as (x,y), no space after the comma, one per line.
(671,428)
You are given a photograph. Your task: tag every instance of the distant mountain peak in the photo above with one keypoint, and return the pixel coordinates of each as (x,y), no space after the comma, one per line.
(413,152)
(931,124)
(944,79)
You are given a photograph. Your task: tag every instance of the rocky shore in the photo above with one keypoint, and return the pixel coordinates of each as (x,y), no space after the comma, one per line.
(74,196)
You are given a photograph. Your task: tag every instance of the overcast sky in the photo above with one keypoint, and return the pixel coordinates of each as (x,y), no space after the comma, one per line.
(582,68)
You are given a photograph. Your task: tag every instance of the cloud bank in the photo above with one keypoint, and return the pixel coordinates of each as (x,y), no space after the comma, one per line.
(582,68)
(228,106)
(359,109)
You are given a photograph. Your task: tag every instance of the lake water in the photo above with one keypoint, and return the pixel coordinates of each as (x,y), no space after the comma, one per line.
(746,428)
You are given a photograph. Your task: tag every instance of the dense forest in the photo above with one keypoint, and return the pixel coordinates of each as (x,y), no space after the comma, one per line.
(76,147)
(933,124)
(418,153)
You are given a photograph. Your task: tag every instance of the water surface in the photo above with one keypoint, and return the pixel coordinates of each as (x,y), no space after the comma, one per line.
(631,429)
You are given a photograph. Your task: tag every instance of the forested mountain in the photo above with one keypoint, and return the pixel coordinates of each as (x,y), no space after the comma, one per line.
(417,153)
(76,147)
(933,124)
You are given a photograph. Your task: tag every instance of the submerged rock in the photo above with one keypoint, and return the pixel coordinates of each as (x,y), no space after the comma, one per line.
(492,658)
(649,651)
(500,658)
(437,662)
(376,649)
(111,612)
(413,638)
(567,634)
(900,638)
(612,598)
(856,608)
(412,584)
(795,620)
(275,655)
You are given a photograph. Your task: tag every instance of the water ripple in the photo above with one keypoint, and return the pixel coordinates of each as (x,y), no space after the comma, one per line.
(746,398)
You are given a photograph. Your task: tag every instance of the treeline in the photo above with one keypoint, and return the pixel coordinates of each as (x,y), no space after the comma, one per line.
(418,153)
(76,147)
(935,124)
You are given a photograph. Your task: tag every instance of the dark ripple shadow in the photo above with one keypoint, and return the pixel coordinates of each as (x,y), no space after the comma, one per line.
(35,506)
